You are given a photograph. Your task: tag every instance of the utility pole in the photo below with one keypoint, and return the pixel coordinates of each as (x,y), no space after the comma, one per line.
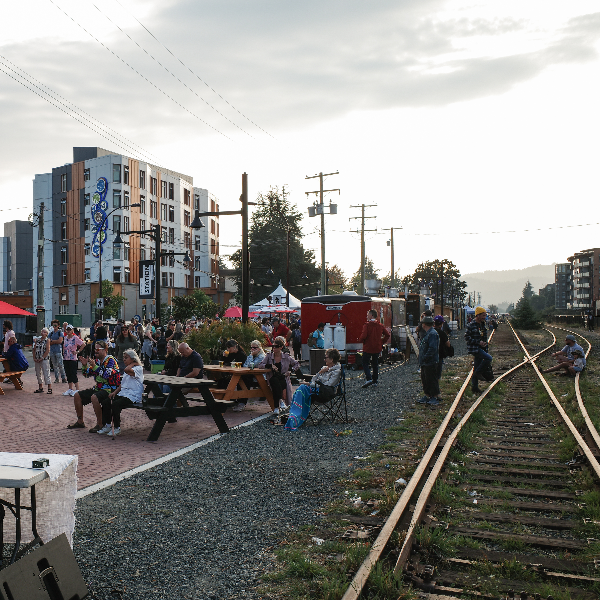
(245,254)
(320,210)
(391,244)
(41,312)
(362,241)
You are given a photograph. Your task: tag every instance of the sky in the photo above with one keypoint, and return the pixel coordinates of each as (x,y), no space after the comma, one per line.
(453,118)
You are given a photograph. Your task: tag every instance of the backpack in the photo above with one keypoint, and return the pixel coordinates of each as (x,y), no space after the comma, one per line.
(297,334)
(312,341)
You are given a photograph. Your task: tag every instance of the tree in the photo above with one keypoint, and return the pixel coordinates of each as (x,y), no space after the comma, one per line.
(112,303)
(387,280)
(370,273)
(196,304)
(528,290)
(267,242)
(184,307)
(336,280)
(524,316)
(493,309)
(440,276)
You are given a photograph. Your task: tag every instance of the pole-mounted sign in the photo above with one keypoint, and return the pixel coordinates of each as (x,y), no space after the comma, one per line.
(147,279)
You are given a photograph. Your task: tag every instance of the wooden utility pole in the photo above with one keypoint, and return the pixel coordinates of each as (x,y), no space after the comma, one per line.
(362,241)
(320,209)
(391,243)
(40,309)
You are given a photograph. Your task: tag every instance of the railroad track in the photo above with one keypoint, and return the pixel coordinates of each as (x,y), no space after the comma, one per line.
(504,503)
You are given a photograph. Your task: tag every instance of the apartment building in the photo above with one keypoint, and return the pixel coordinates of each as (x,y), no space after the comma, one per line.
(126,194)
(563,285)
(585,266)
(16,269)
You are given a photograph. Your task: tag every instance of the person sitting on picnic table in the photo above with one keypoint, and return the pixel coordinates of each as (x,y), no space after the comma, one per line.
(256,356)
(191,364)
(15,358)
(7,328)
(280,365)
(172,360)
(129,393)
(233,353)
(571,367)
(105,370)
(324,383)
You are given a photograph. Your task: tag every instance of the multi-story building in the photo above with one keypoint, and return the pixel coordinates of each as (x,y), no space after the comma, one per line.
(72,254)
(563,285)
(16,268)
(585,267)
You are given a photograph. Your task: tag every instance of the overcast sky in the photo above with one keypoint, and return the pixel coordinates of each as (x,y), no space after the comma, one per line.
(454,118)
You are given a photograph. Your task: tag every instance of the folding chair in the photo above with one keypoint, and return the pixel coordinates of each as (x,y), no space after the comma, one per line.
(333,409)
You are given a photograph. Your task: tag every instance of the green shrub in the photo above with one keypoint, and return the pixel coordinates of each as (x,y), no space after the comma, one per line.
(209,340)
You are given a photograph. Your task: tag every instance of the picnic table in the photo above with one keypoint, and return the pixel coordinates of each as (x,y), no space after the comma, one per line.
(237,387)
(14,376)
(168,407)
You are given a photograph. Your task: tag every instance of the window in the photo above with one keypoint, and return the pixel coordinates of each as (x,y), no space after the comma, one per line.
(163,234)
(197,281)
(171,191)
(213,247)
(63,207)
(143,225)
(86,174)
(63,182)
(125,223)
(153,209)
(186,197)
(171,235)
(116,253)
(63,309)
(117,199)
(86,225)
(217,229)
(153,185)
(116,222)
(63,230)
(63,255)
(163,189)
(86,275)
(127,275)
(126,175)
(142,253)
(188,281)
(116,173)
(186,240)
(86,199)
(117,274)
(196,202)
(197,264)
(63,296)
(143,205)
(87,248)
(164,279)
(142,180)
(171,279)
(151,253)
(171,260)
(186,218)
(212,226)
(212,206)
(125,251)
(63,278)
(126,200)
(163,211)
(163,260)
(197,243)
(172,214)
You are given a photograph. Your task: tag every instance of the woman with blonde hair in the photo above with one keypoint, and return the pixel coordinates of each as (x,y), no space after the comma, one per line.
(256,356)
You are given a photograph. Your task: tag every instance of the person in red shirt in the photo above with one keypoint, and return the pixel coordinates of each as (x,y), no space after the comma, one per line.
(373,336)
(279,329)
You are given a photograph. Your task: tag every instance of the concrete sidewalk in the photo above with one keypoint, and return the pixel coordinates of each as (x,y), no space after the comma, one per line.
(37,423)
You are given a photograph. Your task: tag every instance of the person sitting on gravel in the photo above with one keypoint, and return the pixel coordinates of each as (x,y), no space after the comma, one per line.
(566,354)
(105,370)
(129,393)
(571,367)
(324,383)
(15,358)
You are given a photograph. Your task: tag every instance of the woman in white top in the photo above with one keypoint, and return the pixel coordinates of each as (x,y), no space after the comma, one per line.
(129,393)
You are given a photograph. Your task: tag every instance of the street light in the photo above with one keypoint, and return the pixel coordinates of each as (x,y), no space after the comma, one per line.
(99,228)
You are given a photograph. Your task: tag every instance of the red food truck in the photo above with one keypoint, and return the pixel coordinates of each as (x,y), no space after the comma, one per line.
(344,316)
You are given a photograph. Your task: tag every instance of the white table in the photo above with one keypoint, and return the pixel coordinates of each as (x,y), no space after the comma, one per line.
(51,510)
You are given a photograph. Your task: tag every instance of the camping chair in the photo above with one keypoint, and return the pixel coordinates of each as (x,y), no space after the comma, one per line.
(333,409)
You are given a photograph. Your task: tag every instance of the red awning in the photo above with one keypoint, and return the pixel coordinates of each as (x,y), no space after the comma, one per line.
(7,309)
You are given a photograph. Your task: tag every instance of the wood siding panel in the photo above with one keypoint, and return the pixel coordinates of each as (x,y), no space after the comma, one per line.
(75,251)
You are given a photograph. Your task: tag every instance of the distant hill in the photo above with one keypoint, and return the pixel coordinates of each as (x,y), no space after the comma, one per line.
(504,287)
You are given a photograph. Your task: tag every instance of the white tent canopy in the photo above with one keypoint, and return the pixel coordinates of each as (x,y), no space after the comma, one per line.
(277,298)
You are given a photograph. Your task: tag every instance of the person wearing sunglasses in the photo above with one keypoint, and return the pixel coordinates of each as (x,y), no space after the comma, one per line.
(280,365)
(256,356)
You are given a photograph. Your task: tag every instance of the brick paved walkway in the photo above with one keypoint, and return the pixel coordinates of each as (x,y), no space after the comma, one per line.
(37,423)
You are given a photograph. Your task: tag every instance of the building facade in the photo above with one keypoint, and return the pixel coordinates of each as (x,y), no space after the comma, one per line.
(585,267)
(16,252)
(99,188)
(563,285)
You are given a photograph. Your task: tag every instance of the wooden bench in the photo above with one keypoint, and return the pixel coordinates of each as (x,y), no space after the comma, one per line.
(14,376)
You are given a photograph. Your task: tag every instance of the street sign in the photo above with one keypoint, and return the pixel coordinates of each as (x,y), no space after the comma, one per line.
(99,303)
(147,281)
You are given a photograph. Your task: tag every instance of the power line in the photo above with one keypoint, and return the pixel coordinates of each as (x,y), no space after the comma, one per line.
(193,73)
(137,72)
(168,71)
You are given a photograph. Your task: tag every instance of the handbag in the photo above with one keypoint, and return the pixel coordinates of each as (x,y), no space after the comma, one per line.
(326,392)
(449,351)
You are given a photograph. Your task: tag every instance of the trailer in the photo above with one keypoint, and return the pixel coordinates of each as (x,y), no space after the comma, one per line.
(344,316)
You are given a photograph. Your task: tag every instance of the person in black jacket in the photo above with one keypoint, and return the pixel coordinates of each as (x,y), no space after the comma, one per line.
(438,323)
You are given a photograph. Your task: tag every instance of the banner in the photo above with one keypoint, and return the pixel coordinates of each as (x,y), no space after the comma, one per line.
(146,279)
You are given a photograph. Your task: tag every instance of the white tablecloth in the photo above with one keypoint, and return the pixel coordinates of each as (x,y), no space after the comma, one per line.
(55,497)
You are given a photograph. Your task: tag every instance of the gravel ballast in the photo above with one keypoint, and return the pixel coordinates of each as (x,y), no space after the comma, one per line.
(198,526)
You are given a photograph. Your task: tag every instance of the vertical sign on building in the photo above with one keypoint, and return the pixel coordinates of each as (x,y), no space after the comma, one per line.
(147,279)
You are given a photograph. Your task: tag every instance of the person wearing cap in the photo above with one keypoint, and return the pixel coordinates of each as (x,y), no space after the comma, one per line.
(429,356)
(319,336)
(438,323)
(71,345)
(477,345)
(373,336)
(570,359)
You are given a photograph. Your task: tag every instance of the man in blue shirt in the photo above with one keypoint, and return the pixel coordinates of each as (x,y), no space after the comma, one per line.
(429,355)
(319,336)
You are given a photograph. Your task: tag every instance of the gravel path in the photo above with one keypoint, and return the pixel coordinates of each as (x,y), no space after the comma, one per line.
(197,526)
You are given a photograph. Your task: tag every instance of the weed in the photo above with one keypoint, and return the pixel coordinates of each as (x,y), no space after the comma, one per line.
(434,541)
(514,545)
(297,565)
(444,494)
(384,583)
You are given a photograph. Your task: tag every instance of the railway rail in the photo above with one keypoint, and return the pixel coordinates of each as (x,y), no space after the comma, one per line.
(505,502)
